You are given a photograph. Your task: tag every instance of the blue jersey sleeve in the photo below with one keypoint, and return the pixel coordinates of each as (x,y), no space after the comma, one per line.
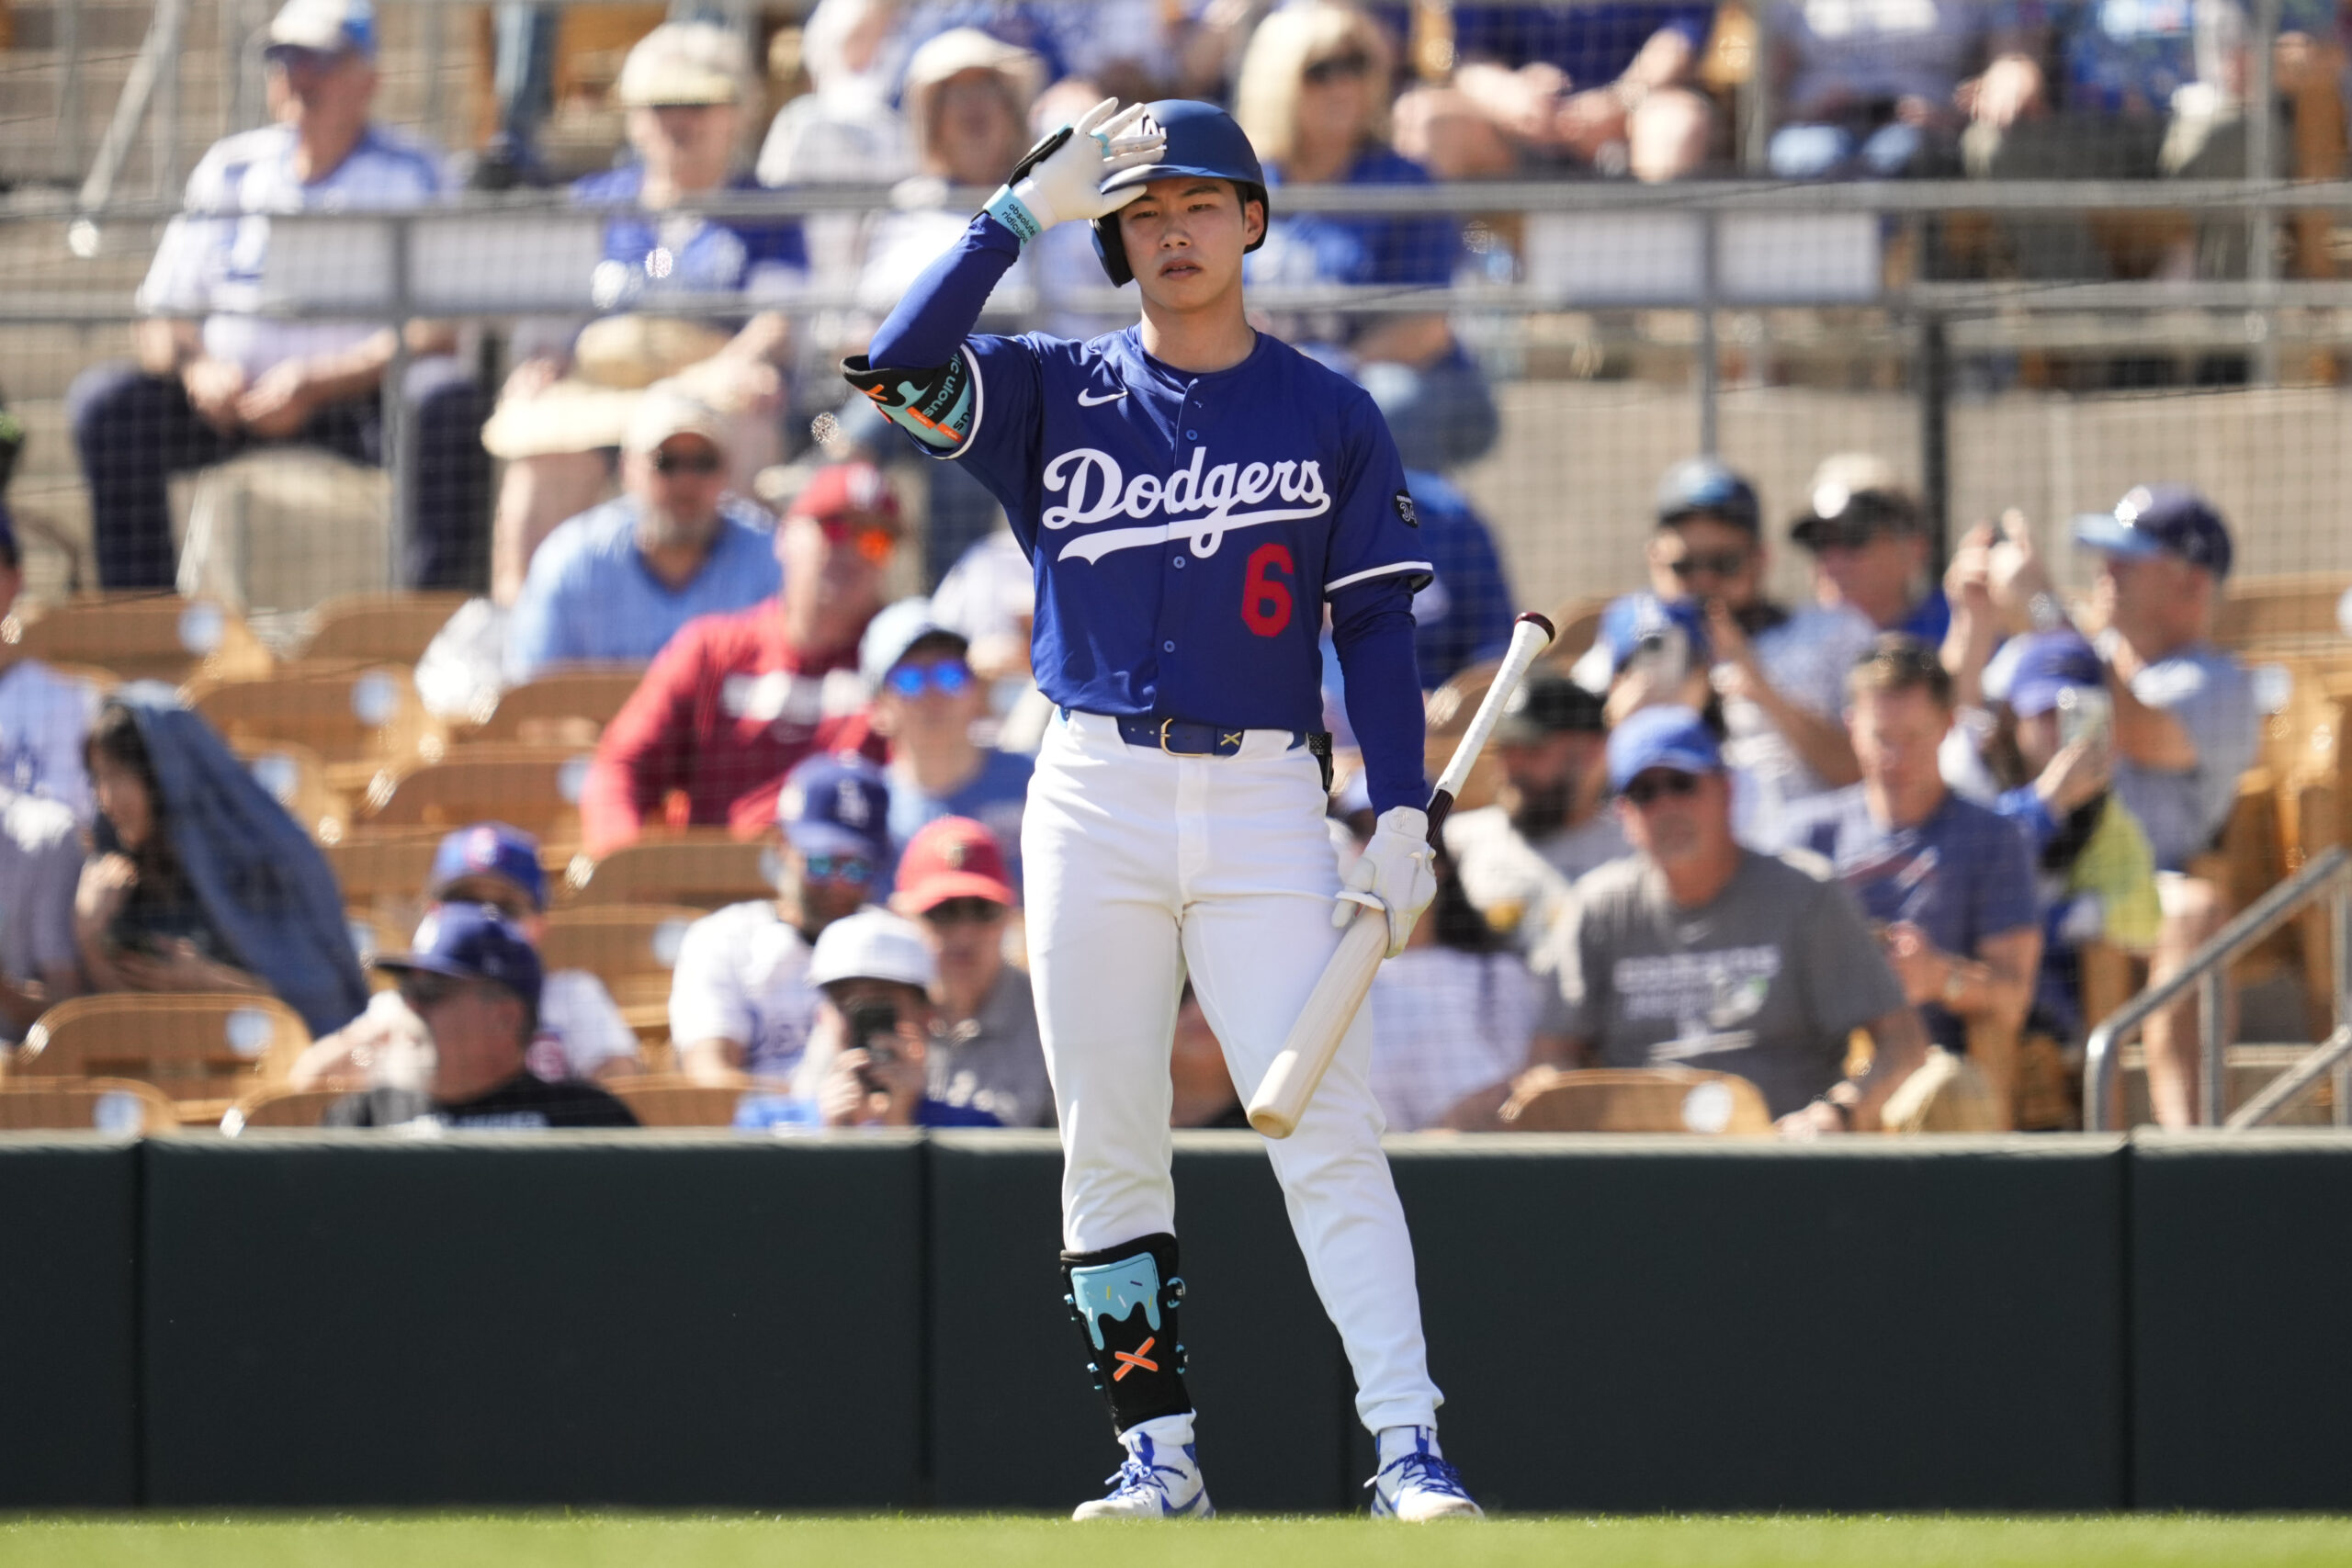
(1372,626)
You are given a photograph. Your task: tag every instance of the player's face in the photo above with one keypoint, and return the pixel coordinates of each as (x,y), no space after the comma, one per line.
(1895,735)
(1702,558)
(1185,237)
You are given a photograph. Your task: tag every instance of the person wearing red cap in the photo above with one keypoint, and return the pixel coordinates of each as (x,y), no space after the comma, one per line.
(735,701)
(985,1050)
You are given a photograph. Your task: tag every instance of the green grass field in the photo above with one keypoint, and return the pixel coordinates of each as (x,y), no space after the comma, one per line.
(952,1542)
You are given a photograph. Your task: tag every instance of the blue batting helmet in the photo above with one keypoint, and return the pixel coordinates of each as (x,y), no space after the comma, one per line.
(1202,140)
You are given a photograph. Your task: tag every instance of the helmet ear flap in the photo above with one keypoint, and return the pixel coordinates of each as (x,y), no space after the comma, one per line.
(1111,249)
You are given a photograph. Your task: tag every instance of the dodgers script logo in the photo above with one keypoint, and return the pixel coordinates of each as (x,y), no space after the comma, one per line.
(1099,492)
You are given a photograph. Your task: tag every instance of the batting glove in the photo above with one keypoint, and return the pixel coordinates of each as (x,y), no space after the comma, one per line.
(1061,179)
(1392,875)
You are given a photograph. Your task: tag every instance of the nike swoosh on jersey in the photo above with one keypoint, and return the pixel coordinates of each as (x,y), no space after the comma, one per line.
(1087,400)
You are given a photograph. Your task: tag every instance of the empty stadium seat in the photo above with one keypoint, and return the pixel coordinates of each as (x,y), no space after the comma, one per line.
(2302,610)
(203,1049)
(673,1101)
(378,628)
(1636,1099)
(361,722)
(704,867)
(563,707)
(142,636)
(296,779)
(631,947)
(122,1106)
(534,787)
(279,1108)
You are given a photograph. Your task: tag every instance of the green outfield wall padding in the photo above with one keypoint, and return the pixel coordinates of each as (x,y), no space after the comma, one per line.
(69,1268)
(2241,1321)
(627,1319)
(1014,1420)
(1658,1323)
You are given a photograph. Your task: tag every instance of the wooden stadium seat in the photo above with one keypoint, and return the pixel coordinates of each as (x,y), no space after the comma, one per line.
(377,865)
(380,628)
(202,1049)
(674,1102)
(2297,610)
(563,707)
(144,637)
(535,788)
(1636,1099)
(361,722)
(121,1106)
(296,779)
(631,947)
(279,1108)
(705,868)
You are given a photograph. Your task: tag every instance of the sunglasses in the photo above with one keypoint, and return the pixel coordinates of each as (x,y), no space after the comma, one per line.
(703,463)
(1713,563)
(949,677)
(1353,63)
(423,992)
(851,871)
(873,541)
(1651,786)
(968,911)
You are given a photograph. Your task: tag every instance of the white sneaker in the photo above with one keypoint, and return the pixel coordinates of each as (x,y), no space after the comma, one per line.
(1159,1481)
(1418,1485)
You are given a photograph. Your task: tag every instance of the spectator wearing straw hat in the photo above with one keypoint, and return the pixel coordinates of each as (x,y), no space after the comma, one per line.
(614,584)
(985,1051)
(214,376)
(733,702)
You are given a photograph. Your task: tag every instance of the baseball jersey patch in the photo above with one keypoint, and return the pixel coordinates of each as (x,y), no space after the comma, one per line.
(1411,518)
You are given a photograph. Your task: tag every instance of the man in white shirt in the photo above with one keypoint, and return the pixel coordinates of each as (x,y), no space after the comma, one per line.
(43,715)
(740,1000)
(40,864)
(212,377)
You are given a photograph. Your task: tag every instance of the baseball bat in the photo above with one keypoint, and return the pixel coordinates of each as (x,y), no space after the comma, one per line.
(1313,1039)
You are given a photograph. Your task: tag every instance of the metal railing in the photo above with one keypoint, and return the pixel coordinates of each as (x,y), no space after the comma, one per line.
(2327,875)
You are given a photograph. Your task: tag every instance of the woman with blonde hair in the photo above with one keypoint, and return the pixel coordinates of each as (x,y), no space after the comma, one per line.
(1313,96)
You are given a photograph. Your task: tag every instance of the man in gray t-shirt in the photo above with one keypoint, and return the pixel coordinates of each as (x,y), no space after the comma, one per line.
(1693,951)
(40,864)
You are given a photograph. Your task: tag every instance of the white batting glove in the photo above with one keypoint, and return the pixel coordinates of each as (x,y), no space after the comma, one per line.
(1392,875)
(1060,180)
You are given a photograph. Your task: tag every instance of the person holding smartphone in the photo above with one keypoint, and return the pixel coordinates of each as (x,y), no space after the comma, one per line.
(866,1065)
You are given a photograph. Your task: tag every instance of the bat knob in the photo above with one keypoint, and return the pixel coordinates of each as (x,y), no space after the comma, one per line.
(1541,623)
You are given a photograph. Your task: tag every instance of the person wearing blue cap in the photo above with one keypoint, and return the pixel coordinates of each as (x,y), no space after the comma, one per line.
(215,373)
(474,981)
(1696,952)
(741,999)
(43,715)
(2051,754)
(580,1033)
(2185,726)
(930,705)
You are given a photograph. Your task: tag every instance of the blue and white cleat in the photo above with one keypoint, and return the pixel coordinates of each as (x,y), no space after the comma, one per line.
(1418,1485)
(1159,1481)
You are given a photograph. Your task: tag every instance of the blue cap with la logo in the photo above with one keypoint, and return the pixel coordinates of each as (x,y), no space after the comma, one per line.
(836,805)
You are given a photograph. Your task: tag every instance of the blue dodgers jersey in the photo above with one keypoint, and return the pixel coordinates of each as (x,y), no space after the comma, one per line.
(1185,529)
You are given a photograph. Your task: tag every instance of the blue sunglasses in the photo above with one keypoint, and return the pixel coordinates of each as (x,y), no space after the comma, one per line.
(948,678)
(856,871)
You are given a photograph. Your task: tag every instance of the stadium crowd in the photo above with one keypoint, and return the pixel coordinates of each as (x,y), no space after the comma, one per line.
(1850,849)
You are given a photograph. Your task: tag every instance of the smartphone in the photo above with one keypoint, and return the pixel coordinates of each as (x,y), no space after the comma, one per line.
(873,1028)
(2085,712)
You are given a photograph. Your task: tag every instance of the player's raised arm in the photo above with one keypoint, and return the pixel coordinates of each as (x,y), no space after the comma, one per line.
(912,369)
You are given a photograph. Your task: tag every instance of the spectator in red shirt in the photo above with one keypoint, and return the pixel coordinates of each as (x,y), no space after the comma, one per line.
(734,700)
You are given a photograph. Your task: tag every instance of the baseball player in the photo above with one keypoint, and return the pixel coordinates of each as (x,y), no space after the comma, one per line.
(1192,496)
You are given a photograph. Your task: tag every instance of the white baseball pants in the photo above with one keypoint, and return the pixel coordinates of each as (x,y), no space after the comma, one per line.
(1140,867)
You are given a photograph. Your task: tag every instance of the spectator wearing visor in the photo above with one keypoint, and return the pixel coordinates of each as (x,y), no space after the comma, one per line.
(869,1064)
(614,584)
(741,999)
(734,702)
(1550,823)
(933,711)
(985,1051)
(1695,952)
(580,1033)
(474,981)
(213,376)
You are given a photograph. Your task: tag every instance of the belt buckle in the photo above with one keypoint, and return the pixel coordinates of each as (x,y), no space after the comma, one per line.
(1172,751)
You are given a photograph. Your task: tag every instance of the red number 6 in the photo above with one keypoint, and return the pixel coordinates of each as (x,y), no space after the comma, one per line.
(1265,601)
